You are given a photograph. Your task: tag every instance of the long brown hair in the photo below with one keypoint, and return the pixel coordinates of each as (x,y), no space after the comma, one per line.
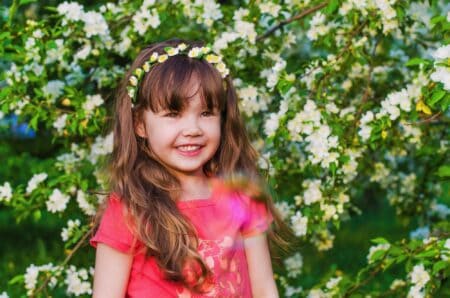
(145,186)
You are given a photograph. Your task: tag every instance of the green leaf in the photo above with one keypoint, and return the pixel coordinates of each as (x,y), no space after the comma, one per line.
(379,240)
(417,61)
(439,266)
(34,121)
(444,171)
(437,19)
(436,97)
(428,253)
(16,279)
(332,6)
(395,251)
(378,255)
(37,214)
(400,259)
(23,2)
(388,264)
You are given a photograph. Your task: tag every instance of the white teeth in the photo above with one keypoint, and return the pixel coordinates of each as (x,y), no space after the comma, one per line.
(189,148)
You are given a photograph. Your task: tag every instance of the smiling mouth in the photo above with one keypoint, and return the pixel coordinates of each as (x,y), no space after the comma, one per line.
(189,148)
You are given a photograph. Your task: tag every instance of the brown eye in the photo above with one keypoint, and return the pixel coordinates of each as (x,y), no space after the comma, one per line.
(207,113)
(171,114)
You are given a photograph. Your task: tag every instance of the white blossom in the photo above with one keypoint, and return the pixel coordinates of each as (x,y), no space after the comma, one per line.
(249,100)
(57,201)
(299,224)
(144,19)
(294,265)
(53,89)
(95,24)
(102,146)
(67,232)
(211,12)
(270,8)
(442,53)
(333,282)
(84,52)
(34,181)
(84,205)
(60,122)
(318,293)
(92,102)
(374,249)
(240,13)
(55,54)
(223,40)
(4,295)
(442,75)
(271,124)
(419,276)
(416,292)
(312,192)
(246,31)
(71,11)
(397,283)
(284,209)
(38,34)
(77,281)
(317,27)
(5,192)
(292,291)
(30,278)
(329,210)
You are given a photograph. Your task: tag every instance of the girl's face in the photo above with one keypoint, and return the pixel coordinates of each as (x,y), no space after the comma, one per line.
(184,141)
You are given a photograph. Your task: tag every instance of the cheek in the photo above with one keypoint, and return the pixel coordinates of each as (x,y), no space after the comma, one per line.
(215,129)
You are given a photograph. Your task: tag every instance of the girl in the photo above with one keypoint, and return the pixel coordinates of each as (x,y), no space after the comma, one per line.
(172,225)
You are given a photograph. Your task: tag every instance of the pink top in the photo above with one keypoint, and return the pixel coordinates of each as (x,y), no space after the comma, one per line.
(221,221)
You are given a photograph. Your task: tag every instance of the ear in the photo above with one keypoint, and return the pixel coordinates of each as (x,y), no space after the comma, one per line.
(139,126)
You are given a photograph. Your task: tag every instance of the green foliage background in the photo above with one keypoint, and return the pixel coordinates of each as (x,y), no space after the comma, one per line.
(369,79)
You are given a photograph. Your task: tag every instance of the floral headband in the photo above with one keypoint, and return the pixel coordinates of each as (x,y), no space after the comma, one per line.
(195,52)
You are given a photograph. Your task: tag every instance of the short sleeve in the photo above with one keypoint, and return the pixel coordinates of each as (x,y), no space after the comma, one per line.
(257,218)
(113,229)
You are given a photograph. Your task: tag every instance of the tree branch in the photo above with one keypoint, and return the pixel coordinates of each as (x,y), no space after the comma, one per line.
(427,120)
(43,286)
(292,19)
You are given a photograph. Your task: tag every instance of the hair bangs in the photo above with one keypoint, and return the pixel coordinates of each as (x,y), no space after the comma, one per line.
(169,85)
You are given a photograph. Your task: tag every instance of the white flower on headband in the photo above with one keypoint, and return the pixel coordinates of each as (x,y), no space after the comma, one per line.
(154,57)
(205,50)
(194,52)
(146,66)
(133,81)
(138,72)
(162,58)
(224,71)
(182,46)
(211,58)
(172,51)
(131,92)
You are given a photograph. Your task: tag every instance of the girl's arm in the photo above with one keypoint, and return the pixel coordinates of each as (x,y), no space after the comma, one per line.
(112,270)
(260,267)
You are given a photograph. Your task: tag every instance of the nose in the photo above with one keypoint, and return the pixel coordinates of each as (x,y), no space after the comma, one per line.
(192,128)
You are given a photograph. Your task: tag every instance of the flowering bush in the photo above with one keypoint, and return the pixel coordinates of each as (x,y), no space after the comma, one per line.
(343,96)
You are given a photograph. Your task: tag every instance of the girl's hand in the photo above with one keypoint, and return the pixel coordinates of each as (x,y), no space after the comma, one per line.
(112,269)
(260,267)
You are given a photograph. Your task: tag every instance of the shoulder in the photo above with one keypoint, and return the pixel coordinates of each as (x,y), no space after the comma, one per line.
(114,207)
(116,227)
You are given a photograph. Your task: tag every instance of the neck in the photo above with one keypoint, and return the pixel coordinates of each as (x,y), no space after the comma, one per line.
(195,187)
